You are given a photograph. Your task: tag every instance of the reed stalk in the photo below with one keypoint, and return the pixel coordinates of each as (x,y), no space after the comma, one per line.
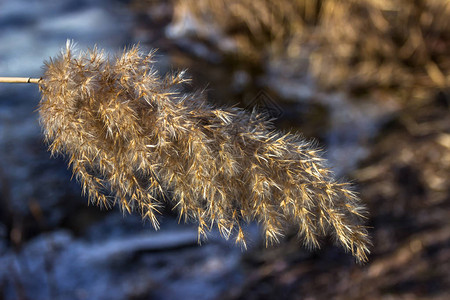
(20,80)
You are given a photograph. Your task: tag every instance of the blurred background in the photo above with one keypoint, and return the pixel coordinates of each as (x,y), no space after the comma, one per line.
(369,80)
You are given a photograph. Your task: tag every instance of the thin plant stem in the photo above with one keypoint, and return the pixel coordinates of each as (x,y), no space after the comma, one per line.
(19,80)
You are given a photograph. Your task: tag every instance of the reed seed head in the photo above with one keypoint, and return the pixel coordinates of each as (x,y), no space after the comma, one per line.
(133,139)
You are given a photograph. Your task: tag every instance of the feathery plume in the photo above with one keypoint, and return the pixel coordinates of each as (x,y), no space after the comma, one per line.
(133,139)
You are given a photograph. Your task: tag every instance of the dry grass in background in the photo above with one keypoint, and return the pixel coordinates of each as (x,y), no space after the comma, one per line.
(393,49)
(382,48)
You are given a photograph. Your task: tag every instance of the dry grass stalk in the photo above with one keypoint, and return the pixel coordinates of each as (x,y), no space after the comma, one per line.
(19,80)
(131,138)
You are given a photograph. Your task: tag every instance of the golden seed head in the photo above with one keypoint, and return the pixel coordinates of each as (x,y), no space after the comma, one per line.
(131,137)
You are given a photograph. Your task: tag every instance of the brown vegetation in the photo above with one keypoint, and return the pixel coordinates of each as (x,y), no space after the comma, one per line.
(132,138)
(387,49)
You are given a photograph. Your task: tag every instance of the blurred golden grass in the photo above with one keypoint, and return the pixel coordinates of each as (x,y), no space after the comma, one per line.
(399,48)
(133,138)
(255,26)
(386,48)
